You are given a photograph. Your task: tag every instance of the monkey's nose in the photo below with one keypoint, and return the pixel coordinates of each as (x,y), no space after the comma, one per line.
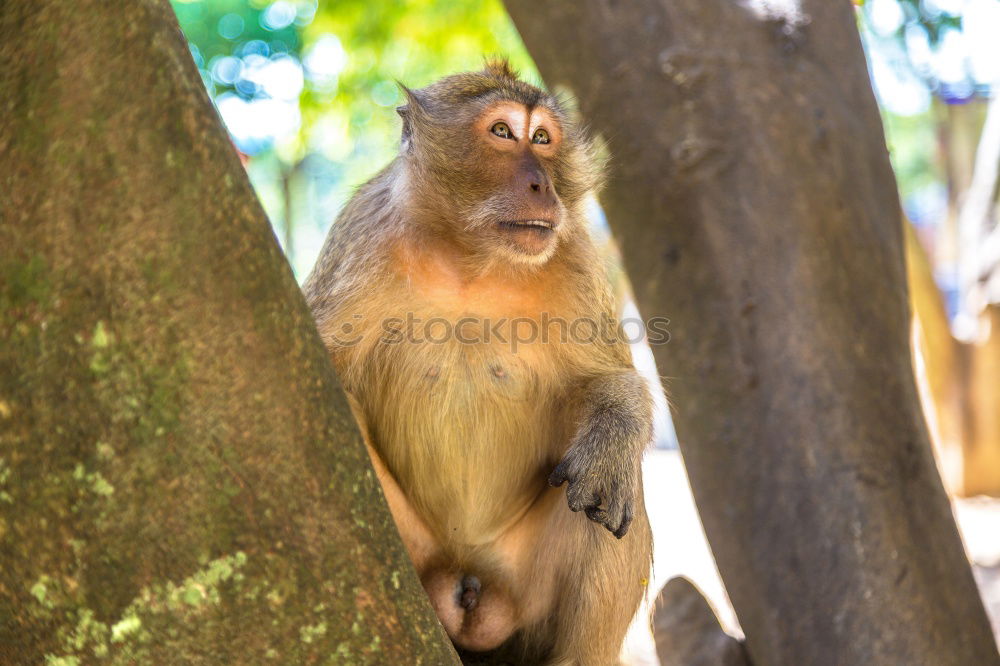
(533,184)
(539,184)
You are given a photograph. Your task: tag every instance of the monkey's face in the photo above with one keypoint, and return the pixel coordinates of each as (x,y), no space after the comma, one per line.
(495,165)
(519,212)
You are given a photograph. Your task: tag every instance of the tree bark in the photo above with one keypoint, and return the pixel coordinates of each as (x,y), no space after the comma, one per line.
(755,206)
(180,478)
(687,630)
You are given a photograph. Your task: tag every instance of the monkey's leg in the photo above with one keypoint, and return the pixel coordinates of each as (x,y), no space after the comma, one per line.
(576,585)
(420,543)
(602,586)
(599,583)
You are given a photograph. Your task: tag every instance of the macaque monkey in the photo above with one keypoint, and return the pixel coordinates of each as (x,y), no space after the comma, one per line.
(466,311)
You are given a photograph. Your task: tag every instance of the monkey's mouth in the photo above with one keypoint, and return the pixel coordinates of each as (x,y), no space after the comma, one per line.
(523,225)
(532,237)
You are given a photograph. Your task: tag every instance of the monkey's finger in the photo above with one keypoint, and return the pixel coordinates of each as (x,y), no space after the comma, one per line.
(579,498)
(603,518)
(626,522)
(619,511)
(559,475)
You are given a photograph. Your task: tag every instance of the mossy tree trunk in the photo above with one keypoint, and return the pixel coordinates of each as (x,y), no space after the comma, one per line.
(755,206)
(180,478)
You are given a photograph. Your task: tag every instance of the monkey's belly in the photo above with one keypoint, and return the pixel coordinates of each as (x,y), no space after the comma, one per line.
(471,443)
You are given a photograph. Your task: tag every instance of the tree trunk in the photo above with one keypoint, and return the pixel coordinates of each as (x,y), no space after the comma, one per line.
(961,384)
(755,206)
(180,478)
(687,630)
(288,209)
(980,383)
(936,361)
(958,130)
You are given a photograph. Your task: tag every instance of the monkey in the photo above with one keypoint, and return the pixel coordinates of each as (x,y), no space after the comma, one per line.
(512,471)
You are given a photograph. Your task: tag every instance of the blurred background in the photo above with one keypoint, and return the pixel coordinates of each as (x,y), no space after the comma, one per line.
(308,90)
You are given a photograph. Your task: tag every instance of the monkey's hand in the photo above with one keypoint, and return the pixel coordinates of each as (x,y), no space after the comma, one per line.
(603,463)
(602,483)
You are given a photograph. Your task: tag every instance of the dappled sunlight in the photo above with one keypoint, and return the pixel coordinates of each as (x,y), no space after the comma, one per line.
(308,92)
(789,11)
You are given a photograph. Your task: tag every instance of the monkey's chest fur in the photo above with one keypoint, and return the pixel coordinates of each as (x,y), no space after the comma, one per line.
(467,408)
(480,419)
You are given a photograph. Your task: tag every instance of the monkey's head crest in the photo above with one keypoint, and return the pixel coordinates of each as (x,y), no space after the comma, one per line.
(510,161)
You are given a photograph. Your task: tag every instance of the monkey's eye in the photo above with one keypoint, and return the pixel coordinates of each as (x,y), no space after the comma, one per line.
(540,136)
(502,130)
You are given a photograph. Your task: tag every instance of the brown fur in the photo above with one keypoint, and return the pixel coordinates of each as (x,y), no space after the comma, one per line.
(464,436)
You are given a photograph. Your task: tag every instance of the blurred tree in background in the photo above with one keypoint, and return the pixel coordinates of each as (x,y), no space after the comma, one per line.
(936,69)
(308,90)
(934,64)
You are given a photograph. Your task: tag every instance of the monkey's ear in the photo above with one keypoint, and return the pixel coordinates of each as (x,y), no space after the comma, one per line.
(404,113)
(413,107)
(406,136)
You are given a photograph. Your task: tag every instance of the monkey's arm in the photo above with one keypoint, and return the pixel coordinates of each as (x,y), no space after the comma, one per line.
(603,462)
